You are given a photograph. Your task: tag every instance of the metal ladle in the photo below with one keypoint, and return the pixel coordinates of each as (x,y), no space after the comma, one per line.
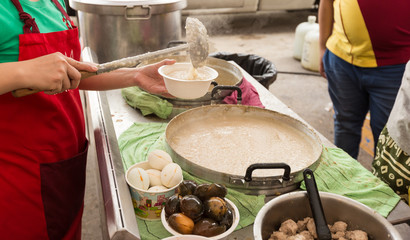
(322,230)
(197,46)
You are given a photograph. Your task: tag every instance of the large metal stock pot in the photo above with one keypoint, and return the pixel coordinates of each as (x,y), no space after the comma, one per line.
(115,29)
(295,206)
(193,126)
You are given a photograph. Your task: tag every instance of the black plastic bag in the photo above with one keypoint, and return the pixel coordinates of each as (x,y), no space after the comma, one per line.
(263,70)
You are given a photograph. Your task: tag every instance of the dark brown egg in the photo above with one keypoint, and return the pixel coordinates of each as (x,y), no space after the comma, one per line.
(206,191)
(227,219)
(172,205)
(215,208)
(181,223)
(208,227)
(191,206)
(187,187)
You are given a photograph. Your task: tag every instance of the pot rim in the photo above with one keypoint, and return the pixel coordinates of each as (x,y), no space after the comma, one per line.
(117,7)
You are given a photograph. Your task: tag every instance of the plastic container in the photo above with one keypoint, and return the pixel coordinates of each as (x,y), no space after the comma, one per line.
(301,30)
(310,53)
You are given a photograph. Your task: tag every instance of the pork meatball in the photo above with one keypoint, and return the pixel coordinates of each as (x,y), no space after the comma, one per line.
(338,226)
(278,236)
(307,235)
(302,224)
(338,235)
(356,235)
(296,237)
(312,227)
(289,227)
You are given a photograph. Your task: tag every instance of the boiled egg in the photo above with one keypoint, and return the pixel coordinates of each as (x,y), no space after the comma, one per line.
(154,177)
(158,159)
(138,178)
(171,175)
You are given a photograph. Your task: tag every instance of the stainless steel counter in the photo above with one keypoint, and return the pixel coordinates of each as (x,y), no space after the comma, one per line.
(108,115)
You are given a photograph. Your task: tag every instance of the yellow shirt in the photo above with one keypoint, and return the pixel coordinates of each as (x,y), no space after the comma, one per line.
(371,33)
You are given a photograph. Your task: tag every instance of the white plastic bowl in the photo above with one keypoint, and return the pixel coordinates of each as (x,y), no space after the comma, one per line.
(235,223)
(187,89)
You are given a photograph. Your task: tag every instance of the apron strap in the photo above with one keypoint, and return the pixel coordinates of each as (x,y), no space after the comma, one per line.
(30,25)
(64,13)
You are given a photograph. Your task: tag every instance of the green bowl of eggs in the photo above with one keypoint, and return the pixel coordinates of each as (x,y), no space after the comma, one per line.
(152,182)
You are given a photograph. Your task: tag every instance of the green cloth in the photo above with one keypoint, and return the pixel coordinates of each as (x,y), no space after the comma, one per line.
(146,102)
(141,138)
(339,173)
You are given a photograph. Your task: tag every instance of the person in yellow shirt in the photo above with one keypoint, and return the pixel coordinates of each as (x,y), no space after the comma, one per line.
(364,47)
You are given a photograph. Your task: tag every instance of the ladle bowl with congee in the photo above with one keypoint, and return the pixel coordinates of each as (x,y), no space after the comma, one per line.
(184,81)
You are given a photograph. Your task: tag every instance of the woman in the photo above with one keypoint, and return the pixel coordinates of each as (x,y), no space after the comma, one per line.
(43,147)
(364,47)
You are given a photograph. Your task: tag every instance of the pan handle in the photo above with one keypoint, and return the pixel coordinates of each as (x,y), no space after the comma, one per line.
(223,87)
(249,170)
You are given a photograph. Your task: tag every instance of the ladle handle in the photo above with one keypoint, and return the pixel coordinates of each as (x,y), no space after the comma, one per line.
(322,229)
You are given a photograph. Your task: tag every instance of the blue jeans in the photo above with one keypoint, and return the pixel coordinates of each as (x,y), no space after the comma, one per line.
(355,91)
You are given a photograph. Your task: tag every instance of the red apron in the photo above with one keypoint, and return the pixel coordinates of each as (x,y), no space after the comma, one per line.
(43,148)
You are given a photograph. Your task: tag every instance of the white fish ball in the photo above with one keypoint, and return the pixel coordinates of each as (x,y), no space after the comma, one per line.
(154,177)
(158,159)
(138,178)
(171,175)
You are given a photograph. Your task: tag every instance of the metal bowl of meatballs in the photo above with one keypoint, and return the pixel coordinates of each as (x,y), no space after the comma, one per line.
(289,217)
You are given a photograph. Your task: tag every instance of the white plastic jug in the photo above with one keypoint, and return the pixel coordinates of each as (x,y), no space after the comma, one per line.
(301,30)
(310,52)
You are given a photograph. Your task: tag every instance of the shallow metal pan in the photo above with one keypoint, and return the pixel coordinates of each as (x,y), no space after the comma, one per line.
(195,123)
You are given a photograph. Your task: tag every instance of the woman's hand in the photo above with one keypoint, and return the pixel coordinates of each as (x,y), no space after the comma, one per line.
(53,73)
(150,80)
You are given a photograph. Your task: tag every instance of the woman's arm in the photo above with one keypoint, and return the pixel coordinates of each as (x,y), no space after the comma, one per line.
(51,73)
(147,78)
(325,28)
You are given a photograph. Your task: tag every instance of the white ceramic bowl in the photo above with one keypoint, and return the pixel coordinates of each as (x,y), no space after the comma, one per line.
(235,223)
(187,89)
